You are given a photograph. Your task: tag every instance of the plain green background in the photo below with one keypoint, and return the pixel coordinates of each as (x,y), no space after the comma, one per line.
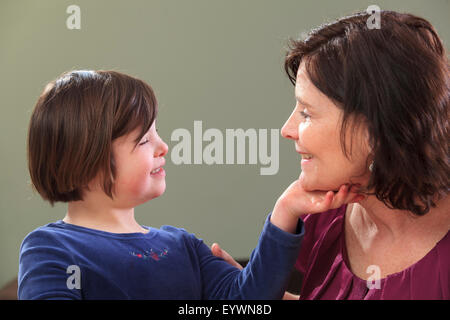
(212,60)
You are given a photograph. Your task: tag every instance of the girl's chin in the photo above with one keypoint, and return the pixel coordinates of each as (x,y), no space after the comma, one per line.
(154,193)
(159,192)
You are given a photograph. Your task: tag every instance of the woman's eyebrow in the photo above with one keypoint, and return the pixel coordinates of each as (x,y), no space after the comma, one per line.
(304,102)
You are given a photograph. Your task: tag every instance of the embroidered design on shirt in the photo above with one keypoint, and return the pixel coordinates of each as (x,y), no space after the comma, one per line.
(151,254)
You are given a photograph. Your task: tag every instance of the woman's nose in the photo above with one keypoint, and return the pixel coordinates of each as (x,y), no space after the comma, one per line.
(290,128)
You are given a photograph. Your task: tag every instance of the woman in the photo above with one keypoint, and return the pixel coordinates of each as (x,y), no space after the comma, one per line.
(372,111)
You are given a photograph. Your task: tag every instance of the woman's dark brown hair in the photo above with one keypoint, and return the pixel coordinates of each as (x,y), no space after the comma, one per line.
(396,80)
(72,127)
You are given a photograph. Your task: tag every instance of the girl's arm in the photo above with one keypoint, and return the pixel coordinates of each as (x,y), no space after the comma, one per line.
(219,252)
(266,275)
(44,269)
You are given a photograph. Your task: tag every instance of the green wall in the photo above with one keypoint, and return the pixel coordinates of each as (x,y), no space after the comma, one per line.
(211,60)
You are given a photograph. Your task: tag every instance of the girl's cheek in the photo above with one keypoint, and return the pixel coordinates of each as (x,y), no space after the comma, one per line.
(136,185)
(134,173)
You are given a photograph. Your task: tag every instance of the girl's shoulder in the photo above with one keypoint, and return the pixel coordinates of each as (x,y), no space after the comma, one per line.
(178,234)
(42,235)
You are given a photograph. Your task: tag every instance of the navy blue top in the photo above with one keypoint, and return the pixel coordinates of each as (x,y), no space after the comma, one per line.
(65,261)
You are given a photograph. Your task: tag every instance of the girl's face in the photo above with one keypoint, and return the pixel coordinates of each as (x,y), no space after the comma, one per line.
(314,126)
(140,176)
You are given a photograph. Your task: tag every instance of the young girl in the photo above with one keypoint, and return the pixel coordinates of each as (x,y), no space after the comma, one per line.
(93,143)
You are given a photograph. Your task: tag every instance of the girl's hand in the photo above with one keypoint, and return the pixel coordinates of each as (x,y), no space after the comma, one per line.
(296,201)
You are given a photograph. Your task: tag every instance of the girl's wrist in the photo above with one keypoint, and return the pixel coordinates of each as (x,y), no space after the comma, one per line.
(283,219)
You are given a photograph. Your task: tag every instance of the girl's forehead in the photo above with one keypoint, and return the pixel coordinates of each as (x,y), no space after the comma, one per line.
(136,133)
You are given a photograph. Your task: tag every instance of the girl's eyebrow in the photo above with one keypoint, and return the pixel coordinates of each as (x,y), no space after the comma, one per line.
(137,135)
(135,139)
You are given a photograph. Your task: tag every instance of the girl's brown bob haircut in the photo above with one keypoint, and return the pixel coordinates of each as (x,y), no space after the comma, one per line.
(395,80)
(73,125)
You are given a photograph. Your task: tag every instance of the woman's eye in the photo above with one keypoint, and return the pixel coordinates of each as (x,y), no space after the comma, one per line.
(305,115)
(143,142)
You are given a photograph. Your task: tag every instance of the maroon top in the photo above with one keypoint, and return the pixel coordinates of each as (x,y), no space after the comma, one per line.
(324,264)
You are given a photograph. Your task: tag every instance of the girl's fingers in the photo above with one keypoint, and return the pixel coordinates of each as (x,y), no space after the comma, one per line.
(354,195)
(340,197)
(355,188)
(328,200)
(346,194)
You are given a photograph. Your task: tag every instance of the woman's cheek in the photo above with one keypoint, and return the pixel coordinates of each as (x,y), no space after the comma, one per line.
(304,129)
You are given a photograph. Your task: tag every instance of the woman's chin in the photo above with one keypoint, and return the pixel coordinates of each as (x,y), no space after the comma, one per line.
(305,183)
(309,185)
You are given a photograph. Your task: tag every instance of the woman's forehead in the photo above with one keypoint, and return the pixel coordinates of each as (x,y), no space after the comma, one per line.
(308,95)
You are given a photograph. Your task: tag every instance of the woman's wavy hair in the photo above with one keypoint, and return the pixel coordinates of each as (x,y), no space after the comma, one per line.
(73,125)
(396,79)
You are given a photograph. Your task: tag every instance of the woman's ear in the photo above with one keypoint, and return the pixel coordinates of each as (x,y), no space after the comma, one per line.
(368,142)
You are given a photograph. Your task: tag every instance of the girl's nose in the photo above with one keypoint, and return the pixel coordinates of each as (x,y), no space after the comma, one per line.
(162,149)
(290,128)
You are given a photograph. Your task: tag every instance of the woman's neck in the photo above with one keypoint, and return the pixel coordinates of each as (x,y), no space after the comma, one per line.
(377,219)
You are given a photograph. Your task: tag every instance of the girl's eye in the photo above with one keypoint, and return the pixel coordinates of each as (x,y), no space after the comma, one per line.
(144,142)
(305,115)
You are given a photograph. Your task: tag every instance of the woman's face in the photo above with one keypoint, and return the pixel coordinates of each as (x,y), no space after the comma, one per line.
(314,126)
(139,173)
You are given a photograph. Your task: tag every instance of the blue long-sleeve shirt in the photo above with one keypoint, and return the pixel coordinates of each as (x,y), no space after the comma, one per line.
(65,261)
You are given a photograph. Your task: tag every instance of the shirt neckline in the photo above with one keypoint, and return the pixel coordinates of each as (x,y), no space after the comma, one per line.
(344,255)
(103,233)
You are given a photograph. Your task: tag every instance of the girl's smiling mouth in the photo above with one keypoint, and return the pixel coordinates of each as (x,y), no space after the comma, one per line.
(158,172)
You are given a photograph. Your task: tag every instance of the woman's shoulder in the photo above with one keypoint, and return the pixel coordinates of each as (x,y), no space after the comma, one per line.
(318,223)
(320,228)
(442,249)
